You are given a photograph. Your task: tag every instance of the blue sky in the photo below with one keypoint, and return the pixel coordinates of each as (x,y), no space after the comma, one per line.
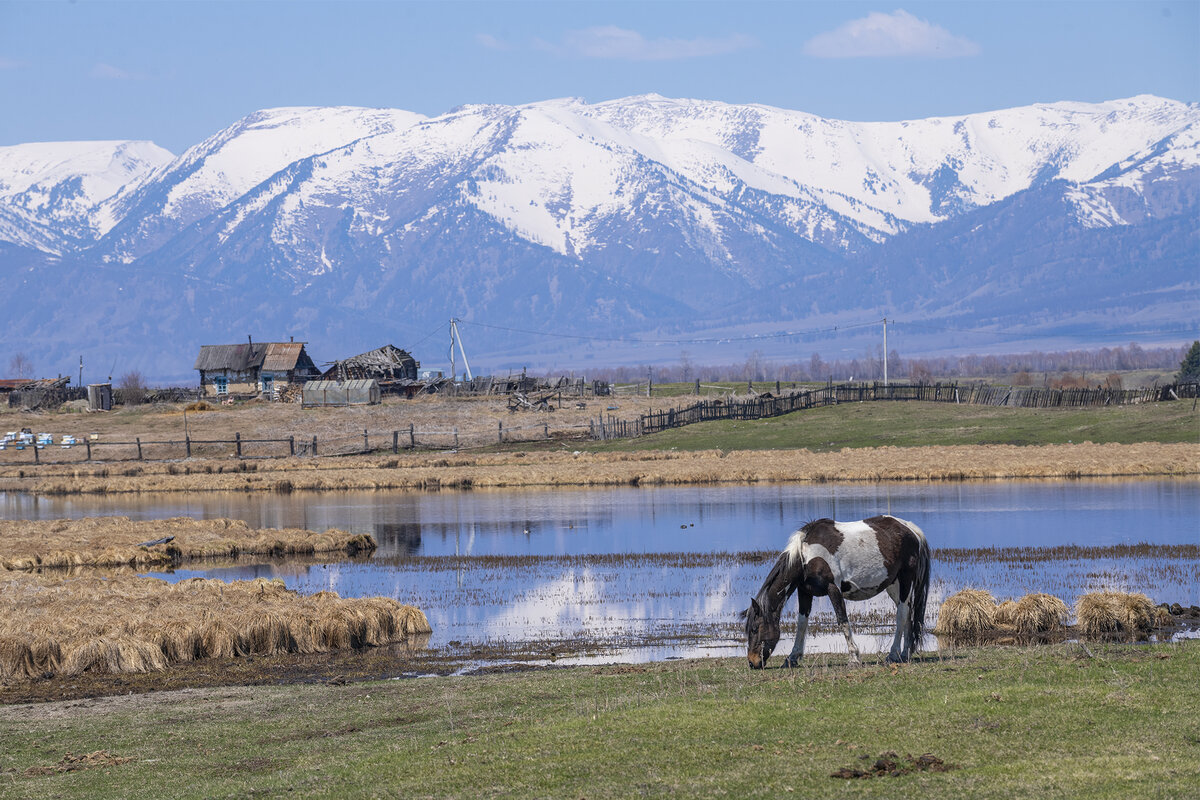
(176,72)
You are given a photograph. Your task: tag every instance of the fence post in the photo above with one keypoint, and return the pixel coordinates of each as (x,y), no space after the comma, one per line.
(412,437)
(187,443)
(366,443)
(395,442)
(88,442)
(314,444)
(455,437)
(292,445)
(546,430)
(36,458)
(501,424)
(237,438)
(138,439)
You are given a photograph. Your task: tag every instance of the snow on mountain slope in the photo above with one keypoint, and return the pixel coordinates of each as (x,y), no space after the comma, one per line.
(581,179)
(54,192)
(1150,183)
(556,179)
(915,171)
(212,174)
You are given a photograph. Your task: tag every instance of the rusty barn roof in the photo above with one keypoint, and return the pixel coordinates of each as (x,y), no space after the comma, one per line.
(282,356)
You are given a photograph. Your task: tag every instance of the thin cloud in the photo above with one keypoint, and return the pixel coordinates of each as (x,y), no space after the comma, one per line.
(621,44)
(898,34)
(492,43)
(108,72)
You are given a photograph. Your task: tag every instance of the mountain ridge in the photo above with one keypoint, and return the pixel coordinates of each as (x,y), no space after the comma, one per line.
(622,216)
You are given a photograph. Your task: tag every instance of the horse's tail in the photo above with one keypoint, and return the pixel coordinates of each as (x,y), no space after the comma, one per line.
(920,592)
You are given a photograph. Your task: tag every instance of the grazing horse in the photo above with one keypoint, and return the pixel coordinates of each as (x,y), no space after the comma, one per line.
(846,561)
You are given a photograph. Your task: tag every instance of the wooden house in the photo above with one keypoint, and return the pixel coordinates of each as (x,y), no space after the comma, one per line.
(265,368)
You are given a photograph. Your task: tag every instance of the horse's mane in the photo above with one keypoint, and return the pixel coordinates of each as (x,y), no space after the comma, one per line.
(792,548)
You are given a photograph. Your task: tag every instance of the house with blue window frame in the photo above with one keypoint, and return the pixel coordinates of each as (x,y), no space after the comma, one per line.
(253,368)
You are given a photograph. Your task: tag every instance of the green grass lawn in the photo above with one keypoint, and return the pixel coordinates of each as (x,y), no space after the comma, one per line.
(915,424)
(1058,721)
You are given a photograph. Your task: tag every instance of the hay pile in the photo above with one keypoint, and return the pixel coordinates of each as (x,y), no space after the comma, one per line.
(1115,614)
(967,616)
(972,616)
(113,541)
(129,624)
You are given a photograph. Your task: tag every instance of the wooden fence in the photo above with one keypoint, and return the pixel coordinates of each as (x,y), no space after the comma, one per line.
(83,449)
(765,406)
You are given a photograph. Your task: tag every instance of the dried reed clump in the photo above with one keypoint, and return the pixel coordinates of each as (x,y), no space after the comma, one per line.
(131,624)
(967,616)
(1039,613)
(1115,614)
(1005,616)
(119,541)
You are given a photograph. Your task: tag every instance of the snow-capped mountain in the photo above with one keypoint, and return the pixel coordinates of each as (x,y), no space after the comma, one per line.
(632,214)
(53,195)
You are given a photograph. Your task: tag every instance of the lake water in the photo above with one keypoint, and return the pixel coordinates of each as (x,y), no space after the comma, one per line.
(593,564)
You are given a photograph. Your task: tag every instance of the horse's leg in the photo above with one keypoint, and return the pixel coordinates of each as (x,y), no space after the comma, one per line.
(839,609)
(900,645)
(793,659)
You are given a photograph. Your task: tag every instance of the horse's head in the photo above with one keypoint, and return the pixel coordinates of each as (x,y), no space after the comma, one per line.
(762,633)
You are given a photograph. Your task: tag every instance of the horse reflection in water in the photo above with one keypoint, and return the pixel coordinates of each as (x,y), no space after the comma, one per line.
(846,561)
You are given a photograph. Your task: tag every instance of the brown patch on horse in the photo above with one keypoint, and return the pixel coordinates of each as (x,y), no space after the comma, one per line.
(825,533)
(890,535)
(818,577)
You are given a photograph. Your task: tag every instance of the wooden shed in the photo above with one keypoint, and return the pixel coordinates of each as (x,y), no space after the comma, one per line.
(265,368)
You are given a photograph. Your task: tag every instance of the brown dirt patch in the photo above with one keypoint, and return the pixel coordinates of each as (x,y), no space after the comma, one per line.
(891,765)
(73,763)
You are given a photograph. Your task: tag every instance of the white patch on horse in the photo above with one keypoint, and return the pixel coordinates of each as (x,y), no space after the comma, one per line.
(858,566)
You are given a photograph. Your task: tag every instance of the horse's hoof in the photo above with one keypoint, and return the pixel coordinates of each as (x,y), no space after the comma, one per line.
(791,663)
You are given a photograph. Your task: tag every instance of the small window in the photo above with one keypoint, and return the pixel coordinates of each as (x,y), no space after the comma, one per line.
(222,384)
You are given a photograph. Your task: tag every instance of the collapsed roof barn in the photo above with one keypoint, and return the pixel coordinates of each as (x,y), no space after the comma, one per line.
(387,364)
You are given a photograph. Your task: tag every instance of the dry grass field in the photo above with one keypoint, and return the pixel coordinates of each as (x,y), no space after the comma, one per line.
(126,624)
(119,541)
(431,471)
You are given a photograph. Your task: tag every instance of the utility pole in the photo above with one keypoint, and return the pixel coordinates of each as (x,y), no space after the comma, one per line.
(885,351)
(455,336)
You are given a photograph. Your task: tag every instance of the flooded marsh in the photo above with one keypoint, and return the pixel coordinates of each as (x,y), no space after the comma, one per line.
(649,573)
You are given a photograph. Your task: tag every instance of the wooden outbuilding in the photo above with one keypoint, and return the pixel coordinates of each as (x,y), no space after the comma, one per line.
(263,368)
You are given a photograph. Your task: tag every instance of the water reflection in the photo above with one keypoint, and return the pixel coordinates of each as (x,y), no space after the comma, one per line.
(683,519)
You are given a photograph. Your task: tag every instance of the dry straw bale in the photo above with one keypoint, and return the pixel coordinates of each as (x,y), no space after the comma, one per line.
(968,615)
(130,624)
(114,541)
(1104,614)
(1039,613)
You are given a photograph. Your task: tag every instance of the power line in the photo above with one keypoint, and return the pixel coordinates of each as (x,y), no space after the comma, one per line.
(697,340)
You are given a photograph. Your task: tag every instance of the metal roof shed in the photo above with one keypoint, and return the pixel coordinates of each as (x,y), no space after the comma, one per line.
(341,393)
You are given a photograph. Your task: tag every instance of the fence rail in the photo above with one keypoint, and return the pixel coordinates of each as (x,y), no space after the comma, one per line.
(765,406)
(82,450)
